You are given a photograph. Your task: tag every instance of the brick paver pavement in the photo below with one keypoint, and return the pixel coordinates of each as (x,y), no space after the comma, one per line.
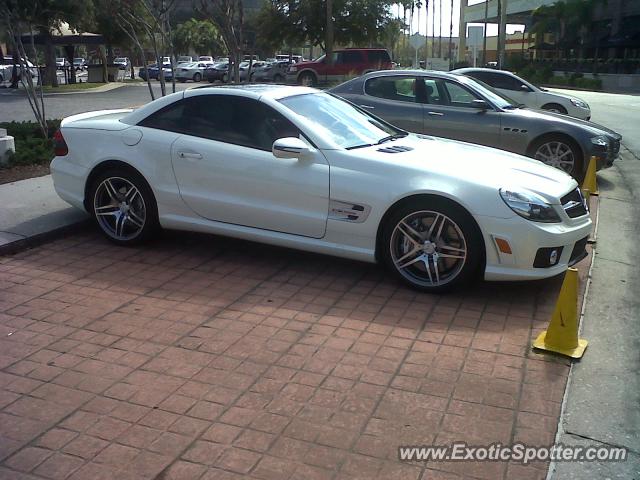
(201,357)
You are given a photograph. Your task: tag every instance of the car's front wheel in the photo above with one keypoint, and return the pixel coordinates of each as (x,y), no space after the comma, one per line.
(307,80)
(123,206)
(555,108)
(197,77)
(559,152)
(432,244)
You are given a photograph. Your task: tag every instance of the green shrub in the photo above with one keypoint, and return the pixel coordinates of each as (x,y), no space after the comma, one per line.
(589,83)
(31,147)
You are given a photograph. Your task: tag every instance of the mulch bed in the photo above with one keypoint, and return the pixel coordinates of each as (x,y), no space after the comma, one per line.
(22,172)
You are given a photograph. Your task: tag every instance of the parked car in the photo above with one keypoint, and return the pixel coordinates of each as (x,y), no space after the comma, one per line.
(285,57)
(8,60)
(271,72)
(346,62)
(297,167)
(80,64)
(456,106)
(123,63)
(153,71)
(62,63)
(217,71)
(205,58)
(184,59)
(191,71)
(528,94)
(244,69)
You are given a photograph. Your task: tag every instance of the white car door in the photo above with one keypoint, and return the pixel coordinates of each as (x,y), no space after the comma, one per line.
(226,171)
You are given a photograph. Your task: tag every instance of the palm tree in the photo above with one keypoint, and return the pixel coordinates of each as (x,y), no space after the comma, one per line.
(451,35)
(440,31)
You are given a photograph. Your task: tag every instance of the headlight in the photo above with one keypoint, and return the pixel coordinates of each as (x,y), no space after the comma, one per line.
(600,141)
(530,206)
(579,103)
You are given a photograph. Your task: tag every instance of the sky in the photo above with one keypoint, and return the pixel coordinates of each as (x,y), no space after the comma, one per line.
(418,23)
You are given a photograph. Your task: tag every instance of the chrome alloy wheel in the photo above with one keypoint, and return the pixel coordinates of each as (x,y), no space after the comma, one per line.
(556,154)
(119,208)
(428,248)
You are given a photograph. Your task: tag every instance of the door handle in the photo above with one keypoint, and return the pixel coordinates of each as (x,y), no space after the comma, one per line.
(436,114)
(368,107)
(190,155)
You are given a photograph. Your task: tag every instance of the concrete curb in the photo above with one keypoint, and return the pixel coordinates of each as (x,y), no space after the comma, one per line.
(38,239)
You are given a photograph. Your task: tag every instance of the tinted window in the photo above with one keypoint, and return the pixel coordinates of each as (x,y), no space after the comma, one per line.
(225,118)
(351,57)
(401,89)
(379,56)
(498,80)
(433,92)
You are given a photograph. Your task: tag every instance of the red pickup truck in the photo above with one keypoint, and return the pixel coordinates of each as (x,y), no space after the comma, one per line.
(346,62)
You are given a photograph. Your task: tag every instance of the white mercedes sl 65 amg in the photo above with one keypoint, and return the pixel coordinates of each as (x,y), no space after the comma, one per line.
(299,168)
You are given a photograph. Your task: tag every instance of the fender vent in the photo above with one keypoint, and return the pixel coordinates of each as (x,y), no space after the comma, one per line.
(348,211)
(395,149)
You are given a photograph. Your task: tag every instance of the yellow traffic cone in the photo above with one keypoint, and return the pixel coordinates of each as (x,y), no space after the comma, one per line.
(562,335)
(590,183)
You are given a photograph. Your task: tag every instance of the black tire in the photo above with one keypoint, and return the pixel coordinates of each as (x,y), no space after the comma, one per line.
(98,193)
(554,107)
(197,77)
(308,79)
(539,152)
(458,237)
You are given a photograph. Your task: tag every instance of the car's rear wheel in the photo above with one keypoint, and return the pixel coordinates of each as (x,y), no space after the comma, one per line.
(123,206)
(307,79)
(432,244)
(197,77)
(559,152)
(555,108)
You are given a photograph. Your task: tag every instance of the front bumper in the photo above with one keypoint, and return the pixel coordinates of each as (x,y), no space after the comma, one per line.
(606,157)
(526,238)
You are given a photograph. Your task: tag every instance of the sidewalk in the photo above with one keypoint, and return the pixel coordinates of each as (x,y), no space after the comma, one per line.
(30,209)
(604,387)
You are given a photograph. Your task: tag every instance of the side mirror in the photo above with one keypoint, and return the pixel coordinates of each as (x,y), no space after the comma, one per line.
(289,147)
(524,88)
(480,104)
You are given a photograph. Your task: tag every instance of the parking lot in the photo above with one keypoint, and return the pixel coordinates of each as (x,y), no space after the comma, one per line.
(205,356)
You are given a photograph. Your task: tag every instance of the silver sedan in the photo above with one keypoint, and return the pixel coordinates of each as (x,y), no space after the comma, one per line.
(458,107)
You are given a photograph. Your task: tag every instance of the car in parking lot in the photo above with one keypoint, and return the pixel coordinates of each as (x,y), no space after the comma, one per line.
(271,72)
(527,93)
(456,106)
(217,72)
(297,167)
(80,64)
(346,62)
(8,61)
(62,63)
(153,71)
(123,63)
(191,71)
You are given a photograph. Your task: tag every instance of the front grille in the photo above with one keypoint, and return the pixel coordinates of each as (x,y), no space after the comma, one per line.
(574,204)
(579,251)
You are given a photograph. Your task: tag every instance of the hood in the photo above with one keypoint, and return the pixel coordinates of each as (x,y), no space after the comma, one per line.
(544,115)
(478,165)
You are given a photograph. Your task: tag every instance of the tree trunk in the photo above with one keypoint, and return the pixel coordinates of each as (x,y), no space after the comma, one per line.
(51,77)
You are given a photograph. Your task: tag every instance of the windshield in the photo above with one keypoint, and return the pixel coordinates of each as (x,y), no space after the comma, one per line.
(340,121)
(500,100)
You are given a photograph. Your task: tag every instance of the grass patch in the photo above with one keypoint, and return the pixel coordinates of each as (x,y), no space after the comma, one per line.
(31,148)
(71,87)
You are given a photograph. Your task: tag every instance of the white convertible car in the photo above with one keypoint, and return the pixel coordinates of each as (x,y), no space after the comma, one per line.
(296,167)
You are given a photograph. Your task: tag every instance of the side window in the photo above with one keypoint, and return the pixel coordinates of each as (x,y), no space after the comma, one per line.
(401,89)
(511,83)
(497,80)
(458,95)
(378,56)
(433,92)
(351,57)
(168,118)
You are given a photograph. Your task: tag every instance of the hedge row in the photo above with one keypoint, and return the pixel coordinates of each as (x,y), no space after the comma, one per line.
(31,148)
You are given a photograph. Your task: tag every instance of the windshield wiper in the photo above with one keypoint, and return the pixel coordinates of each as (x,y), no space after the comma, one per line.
(392,137)
(359,146)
